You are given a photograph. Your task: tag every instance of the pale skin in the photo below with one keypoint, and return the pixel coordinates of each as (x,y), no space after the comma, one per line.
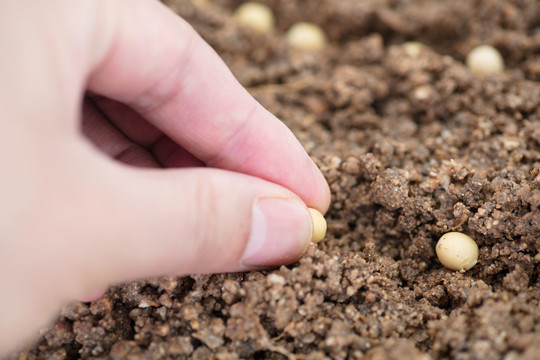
(161,170)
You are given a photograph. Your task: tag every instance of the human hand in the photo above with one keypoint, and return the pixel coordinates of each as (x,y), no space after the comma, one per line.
(75,216)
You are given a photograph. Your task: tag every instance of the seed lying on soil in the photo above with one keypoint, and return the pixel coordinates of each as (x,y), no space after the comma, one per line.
(457,251)
(319,225)
(201,4)
(255,16)
(306,36)
(412,48)
(485,60)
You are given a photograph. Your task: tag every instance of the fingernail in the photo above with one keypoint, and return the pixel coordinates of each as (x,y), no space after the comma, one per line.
(280,232)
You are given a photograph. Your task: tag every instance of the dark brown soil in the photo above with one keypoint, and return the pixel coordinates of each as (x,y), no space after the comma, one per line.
(412,147)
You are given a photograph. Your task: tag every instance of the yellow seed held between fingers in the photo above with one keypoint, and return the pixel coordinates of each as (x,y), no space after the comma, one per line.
(255,16)
(319,225)
(457,251)
(485,60)
(306,36)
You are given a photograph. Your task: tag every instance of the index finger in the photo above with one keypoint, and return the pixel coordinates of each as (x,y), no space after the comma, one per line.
(156,63)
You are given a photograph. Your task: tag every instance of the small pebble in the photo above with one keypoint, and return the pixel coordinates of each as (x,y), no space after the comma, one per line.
(255,16)
(457,251)
(485,60)
(306,37)
(319,225)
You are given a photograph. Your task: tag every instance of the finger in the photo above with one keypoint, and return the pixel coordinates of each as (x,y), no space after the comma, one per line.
(130,122)
(111,141)
(93,295)
(156,63)
(180,221)
(170,154)
(139,130)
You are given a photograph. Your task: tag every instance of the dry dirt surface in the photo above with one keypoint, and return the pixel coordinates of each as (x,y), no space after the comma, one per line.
(413,146)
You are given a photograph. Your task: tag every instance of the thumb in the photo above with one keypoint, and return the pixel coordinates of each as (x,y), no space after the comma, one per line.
(101,223)
(184,221)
